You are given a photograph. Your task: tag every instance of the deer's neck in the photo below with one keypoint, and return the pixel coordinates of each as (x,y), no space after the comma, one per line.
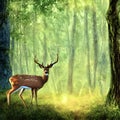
(45,77)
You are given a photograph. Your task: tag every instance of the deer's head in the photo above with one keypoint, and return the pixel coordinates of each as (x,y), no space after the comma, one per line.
(46,68)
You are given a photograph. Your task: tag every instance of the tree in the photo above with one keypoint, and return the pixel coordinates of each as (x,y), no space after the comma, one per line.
(45,42)
(95,45)
(113,20)
(86,35)
(72,50)
(5,69)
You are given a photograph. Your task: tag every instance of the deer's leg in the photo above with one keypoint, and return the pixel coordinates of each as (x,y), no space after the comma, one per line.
(36,96)
(9,94)
(20,95)
(32,90)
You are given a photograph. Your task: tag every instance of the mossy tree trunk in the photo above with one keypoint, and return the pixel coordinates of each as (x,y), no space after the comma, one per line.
(5,69)
(113,19)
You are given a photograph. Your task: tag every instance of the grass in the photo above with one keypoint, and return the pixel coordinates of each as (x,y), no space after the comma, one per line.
(58,107)
(102,112)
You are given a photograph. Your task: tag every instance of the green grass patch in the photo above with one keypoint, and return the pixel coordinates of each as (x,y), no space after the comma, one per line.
(43,112)
(102,112)
(58,107)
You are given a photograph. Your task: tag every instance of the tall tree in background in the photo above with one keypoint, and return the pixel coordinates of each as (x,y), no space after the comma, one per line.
(113,19)
(86,37)
(95,44)
(45,41)
(71,50)
(5,69)
(34,36)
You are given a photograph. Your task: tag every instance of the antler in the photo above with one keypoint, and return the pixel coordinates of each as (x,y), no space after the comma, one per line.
(36,61)
(53,63)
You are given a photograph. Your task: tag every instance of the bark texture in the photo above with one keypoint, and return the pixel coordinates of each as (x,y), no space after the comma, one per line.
(113,19)
(5,69)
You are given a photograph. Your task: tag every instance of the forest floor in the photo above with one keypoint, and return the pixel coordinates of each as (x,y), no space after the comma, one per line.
(58,107)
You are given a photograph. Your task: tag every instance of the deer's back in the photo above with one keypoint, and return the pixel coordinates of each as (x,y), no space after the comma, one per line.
(26,80)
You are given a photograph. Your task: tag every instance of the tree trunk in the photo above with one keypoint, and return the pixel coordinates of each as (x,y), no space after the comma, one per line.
(34,37)
(113,19)
(95,46)
(21,57)
(45,41)
(71,52)
(26,56)
(86,37)
(5,68)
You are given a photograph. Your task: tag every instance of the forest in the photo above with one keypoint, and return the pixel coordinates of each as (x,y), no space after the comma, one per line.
(77,42)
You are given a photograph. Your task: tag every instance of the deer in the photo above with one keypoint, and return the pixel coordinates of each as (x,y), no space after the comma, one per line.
(32,82)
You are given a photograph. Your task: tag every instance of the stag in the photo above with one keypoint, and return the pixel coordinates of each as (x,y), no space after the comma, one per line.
(33,82)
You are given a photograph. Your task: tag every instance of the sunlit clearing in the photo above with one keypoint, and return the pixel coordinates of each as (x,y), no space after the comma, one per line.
(71,102)
(64,102)
(64,99)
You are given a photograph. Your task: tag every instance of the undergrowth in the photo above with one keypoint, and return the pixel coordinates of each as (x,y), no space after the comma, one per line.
(58,107)
(102,112)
